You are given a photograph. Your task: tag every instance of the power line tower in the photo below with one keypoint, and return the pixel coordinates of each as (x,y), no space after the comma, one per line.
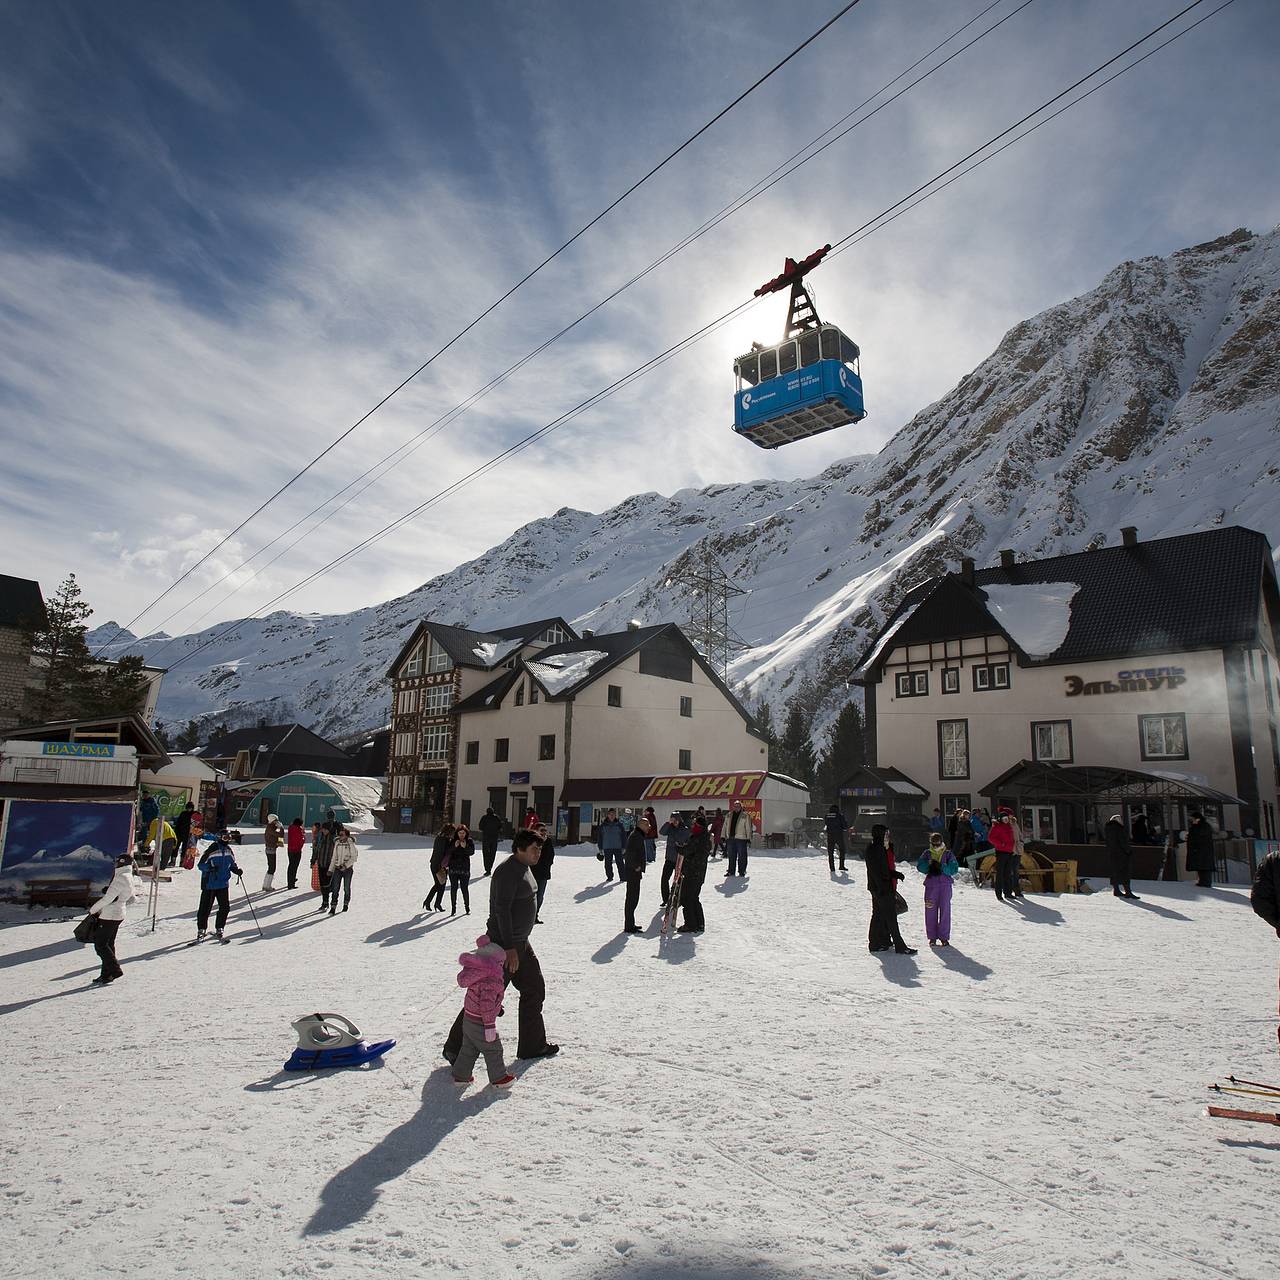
(709,591)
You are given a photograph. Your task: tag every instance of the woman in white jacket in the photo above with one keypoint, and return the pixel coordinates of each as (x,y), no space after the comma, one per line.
(342,867)
(110,910)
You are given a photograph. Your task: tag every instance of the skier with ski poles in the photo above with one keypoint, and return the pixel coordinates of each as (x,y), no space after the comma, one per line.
(216,867)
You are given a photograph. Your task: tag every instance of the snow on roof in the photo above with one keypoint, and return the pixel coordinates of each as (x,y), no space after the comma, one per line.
(563,670)
(357,794)
(1036,615)
(905,788)
(491,651)
(883,643)
(791,782)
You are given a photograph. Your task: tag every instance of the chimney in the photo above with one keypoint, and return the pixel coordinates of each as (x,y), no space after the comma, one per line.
(633,625)
(966,571)
(1129,536)
(1006,559)
(587,633)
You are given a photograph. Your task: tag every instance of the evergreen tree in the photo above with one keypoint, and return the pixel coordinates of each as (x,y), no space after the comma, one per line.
(794,753)
(764,722)
(846,751)
(188,737)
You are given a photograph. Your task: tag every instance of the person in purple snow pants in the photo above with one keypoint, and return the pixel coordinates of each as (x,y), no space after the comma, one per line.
(938,865)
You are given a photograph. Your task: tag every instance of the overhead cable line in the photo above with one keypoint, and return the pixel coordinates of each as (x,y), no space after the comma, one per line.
(867,228)
(551,257)
(410,446)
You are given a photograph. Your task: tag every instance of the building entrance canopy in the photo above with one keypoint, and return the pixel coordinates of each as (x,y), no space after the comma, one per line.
(1101,785)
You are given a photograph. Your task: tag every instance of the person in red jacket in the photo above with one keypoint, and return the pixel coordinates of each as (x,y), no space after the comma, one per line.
(1005,842)
(531,819)
(295,838)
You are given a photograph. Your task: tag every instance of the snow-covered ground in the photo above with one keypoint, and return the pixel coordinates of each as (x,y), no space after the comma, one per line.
(767,1100)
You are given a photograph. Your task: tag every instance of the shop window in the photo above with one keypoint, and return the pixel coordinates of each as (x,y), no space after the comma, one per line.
(686,759)
(520,694)
(1163,737)
(686,707)
(547,746)
(1051,741)
(473,753)
(501,750)
(950,679)
(913,684)
(615,695)
(953,748)
(993,676)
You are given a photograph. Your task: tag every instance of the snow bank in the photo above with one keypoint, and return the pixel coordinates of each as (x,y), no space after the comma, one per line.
(1036,615)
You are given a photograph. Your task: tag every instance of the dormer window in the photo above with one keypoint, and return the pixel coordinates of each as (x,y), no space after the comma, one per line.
(554,635)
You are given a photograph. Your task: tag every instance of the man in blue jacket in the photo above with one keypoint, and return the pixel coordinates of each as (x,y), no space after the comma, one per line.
(609,840)
(217,866)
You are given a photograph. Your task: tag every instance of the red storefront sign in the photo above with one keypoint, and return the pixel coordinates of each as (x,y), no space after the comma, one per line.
(711,790)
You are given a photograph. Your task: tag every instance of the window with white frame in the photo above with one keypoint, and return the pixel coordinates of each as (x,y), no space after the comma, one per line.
(406,702)
(438,660)
(953,748)
(1163,737)
(413,664)
(435,742)
(950,679)
(555,635)
(912,684)
(994,675)
(437,699)
(1051,741)
(406,744)
(402,788)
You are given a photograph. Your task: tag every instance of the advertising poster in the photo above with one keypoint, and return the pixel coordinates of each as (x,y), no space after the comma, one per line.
(51,840)
(172,799)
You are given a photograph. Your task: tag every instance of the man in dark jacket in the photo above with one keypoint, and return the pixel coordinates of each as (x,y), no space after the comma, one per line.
(490,827)
(1265,895)
(634,857)
(217,866)
(182,828)
(837,824)
(1121,857)
(1200,850)
(513,896)
(677,836)
(692,877)
(882,884)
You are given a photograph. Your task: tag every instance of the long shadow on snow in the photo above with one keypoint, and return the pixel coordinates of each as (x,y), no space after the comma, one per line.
(699,1267)
(1167,912)
(1037,912)
(283,1081)
(409,930)
(595,891)
(843,879)
(899,969)
(40,953)
(611,949)
(349,1195)
(962,963)
(731,887)
(676,950)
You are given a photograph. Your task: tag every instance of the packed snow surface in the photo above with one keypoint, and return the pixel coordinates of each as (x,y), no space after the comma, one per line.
(1035,615)
(767,1100)
(563,671)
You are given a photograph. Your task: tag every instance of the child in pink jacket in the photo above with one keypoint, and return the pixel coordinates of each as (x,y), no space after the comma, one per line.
(483,978)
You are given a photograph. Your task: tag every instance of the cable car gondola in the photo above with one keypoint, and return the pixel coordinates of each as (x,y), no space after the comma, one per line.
(808,383)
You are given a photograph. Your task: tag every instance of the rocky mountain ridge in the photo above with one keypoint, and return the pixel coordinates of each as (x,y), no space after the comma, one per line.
(1152,400)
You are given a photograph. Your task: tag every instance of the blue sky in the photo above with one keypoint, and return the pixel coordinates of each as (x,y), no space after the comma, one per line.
(226,230)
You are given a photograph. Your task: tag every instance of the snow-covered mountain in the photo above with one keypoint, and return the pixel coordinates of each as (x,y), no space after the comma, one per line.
(1153,400)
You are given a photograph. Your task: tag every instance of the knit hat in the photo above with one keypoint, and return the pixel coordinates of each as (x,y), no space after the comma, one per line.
(485,946)
(936,841)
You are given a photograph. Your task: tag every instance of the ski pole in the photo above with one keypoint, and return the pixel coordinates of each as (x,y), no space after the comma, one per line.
(252,912)
(1257,1093)
(1257,1084)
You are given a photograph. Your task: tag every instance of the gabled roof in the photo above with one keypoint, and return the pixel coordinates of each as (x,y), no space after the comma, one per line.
(1170,595)
(297,739)
(888,777)
(480,650)
(130,730)
(21,604)
(488,697)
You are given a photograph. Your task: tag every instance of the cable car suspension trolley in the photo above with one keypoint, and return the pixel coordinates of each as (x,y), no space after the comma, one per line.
(809,383)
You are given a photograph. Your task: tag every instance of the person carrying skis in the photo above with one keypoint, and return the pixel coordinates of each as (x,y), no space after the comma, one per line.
(490,827)
(938,865)
(882,885)
(295,839)
(837,824)
(481,976)
(634,859)
(216,867)
(609,840)
(677,837)
(273,836)
(461,851)
(110,910)
(342,868)
(513,896)
(692,876)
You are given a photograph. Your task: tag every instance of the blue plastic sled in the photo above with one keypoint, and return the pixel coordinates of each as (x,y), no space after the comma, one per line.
(351,1055)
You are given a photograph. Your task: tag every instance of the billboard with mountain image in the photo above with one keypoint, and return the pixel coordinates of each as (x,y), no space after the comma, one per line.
(62,841)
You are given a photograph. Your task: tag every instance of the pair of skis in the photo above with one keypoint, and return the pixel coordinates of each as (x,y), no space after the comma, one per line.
(673,898)
(1252,1089)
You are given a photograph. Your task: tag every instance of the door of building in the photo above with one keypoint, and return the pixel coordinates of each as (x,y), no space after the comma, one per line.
(519,803)
(1040,822)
